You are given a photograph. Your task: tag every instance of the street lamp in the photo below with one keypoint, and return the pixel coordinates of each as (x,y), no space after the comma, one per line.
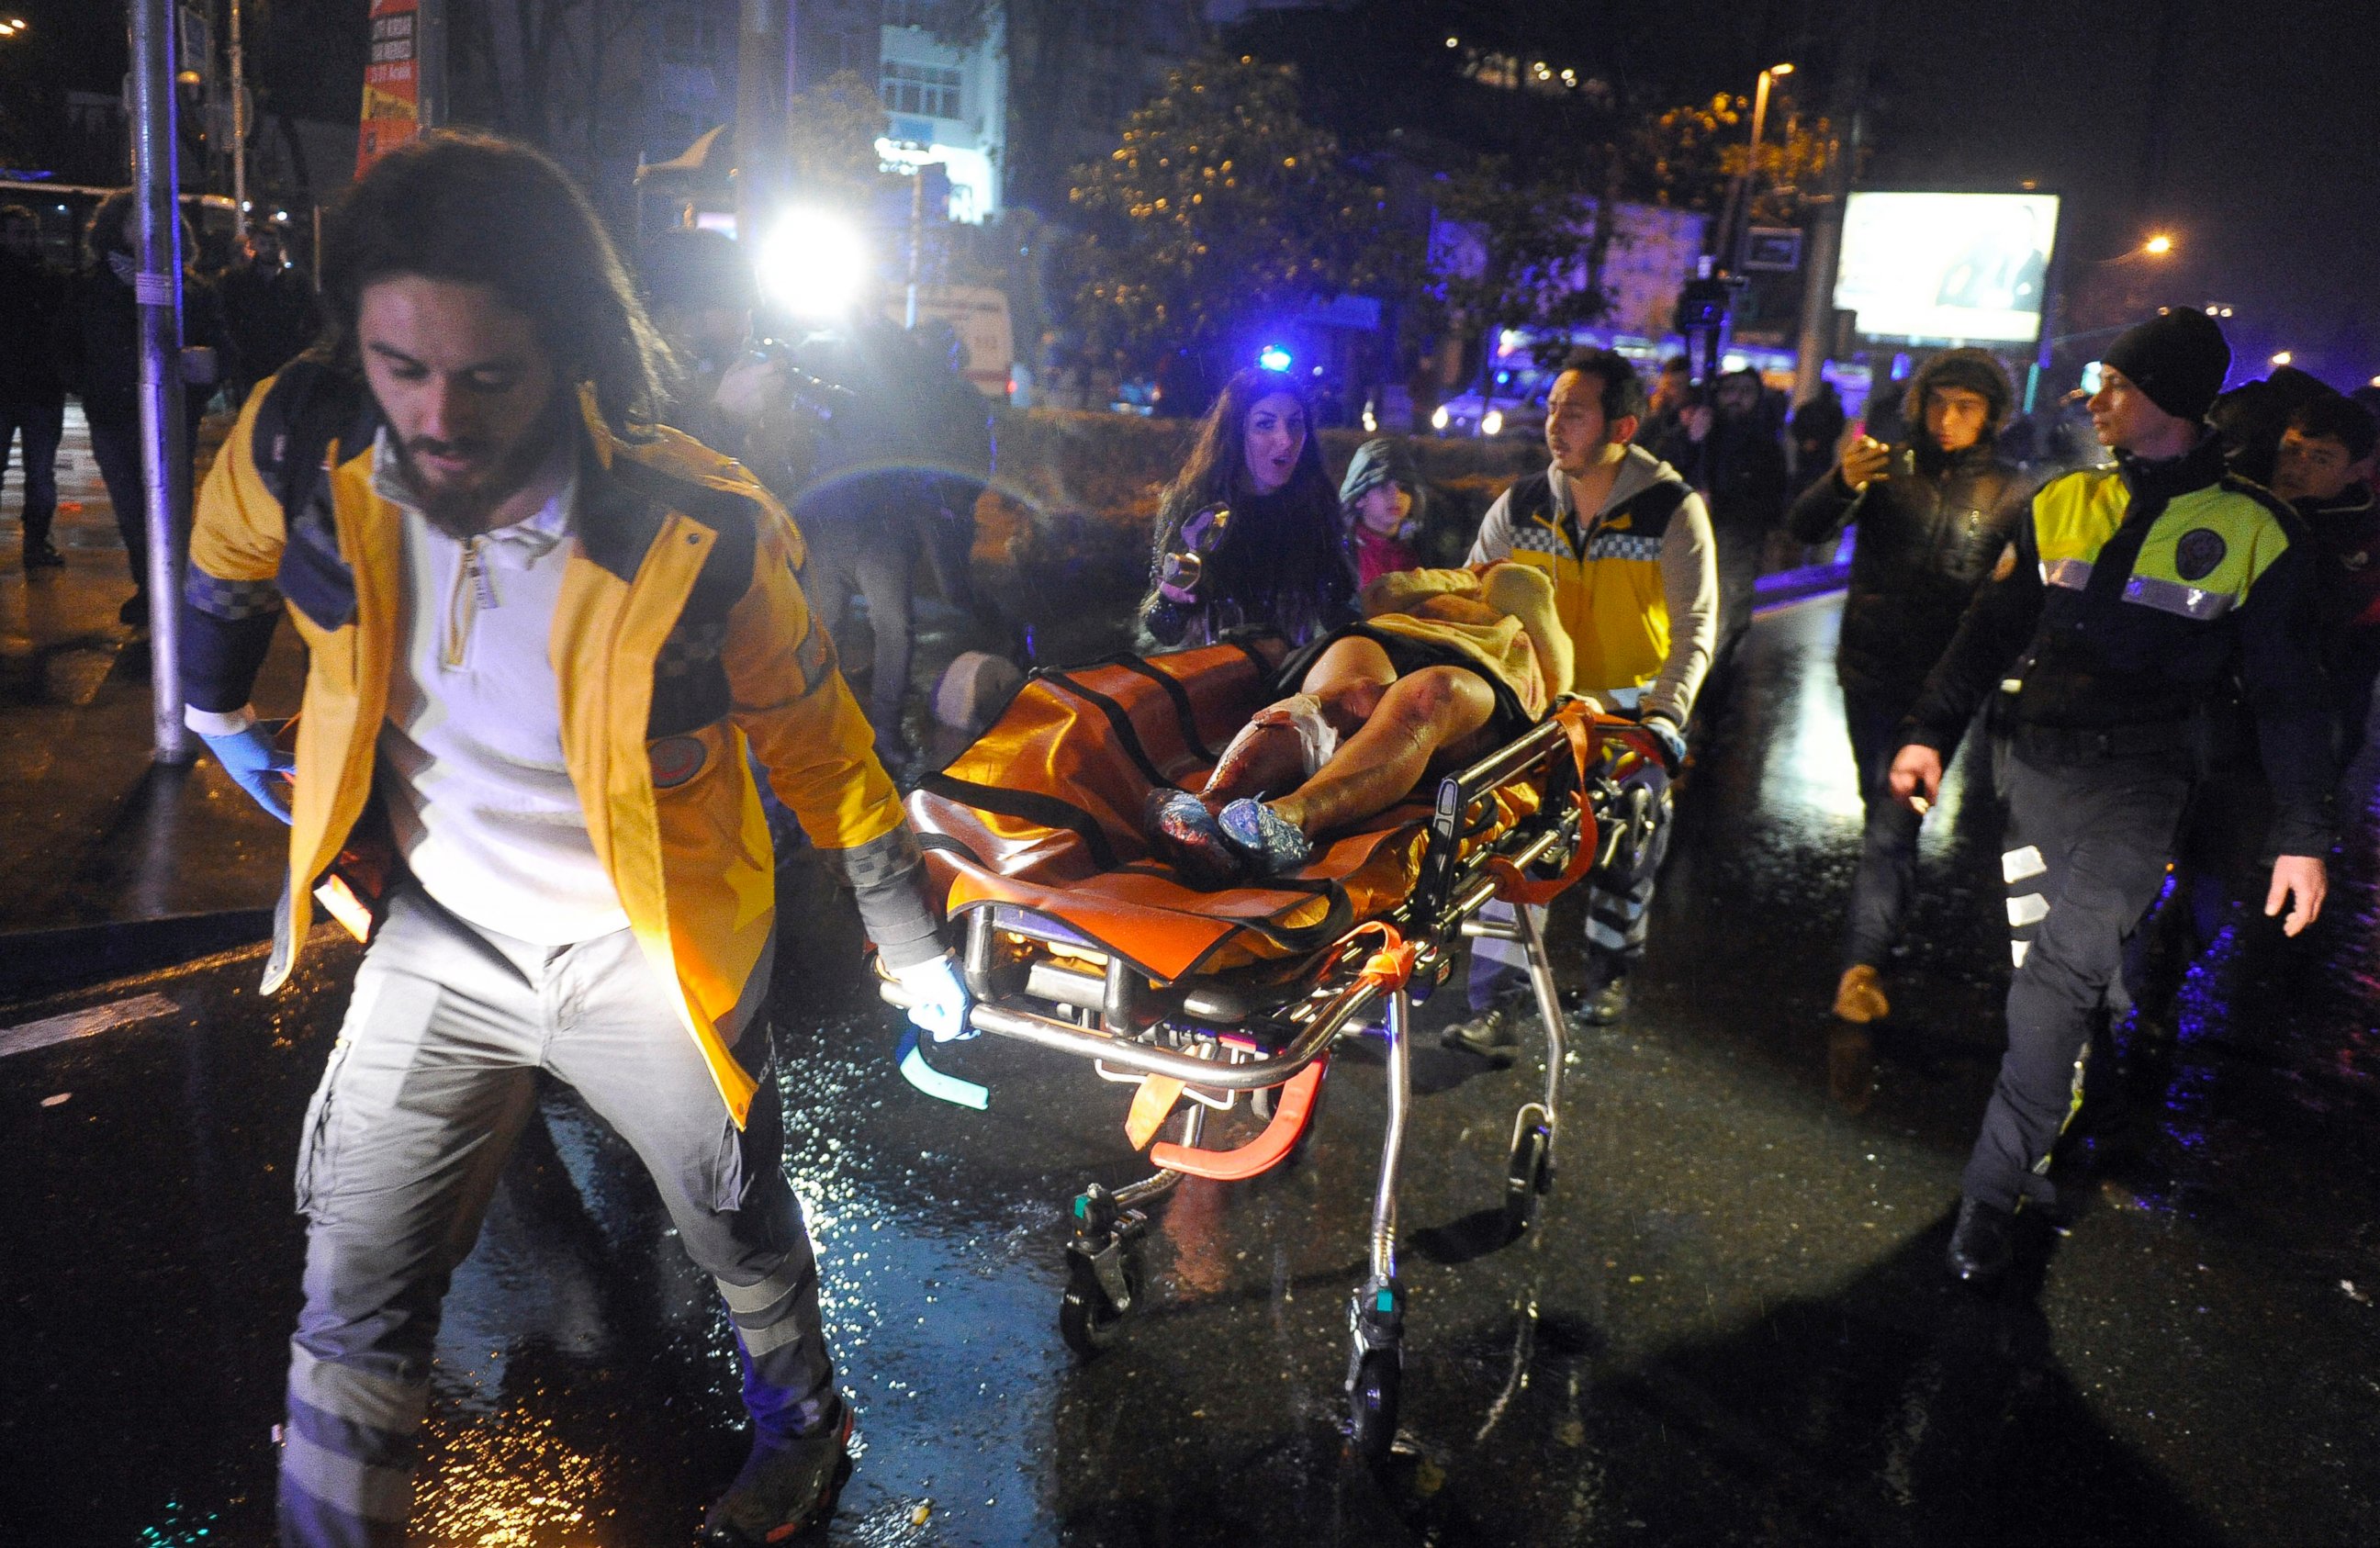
(13,28)
(1740,196)
(2282,358)
(2157,246)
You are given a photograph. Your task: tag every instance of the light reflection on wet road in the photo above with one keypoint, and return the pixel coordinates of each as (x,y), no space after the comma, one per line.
(1731,1328)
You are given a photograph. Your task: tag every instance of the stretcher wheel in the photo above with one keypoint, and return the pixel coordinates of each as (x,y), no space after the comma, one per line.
(1089,1319)
(1528,1175)
(1372,1403)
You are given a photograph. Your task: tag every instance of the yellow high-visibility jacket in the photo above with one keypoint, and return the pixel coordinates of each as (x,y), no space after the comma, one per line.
(681,638)
(1635,583)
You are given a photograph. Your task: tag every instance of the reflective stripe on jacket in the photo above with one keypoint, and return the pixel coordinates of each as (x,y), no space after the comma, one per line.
(2197,560)
(680,640)
(1635,587)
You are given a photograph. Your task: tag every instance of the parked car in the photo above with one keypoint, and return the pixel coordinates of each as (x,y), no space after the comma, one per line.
(1499,414)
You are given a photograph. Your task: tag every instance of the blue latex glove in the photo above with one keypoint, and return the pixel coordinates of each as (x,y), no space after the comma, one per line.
(938,997)
(255,765)
(1672,741)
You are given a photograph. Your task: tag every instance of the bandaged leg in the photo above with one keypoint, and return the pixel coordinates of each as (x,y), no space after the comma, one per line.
(1283,745)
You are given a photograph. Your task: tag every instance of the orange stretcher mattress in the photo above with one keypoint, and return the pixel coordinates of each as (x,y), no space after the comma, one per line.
(1043,813)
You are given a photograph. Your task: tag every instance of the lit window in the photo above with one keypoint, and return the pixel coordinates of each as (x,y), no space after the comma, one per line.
(923,90)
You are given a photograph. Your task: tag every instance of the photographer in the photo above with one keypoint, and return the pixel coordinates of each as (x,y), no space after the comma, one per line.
(1932,516)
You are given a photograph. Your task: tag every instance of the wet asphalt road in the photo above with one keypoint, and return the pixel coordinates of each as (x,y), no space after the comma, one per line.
(1731,1328)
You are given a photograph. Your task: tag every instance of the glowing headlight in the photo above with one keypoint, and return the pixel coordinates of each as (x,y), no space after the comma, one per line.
(1492,422)
(812,264)
(1440,420)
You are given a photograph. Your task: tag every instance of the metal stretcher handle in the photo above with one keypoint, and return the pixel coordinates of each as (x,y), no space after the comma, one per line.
(934,1083)
(1261,1154)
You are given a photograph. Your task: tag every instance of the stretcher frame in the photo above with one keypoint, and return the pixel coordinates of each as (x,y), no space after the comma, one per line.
(1218,1040)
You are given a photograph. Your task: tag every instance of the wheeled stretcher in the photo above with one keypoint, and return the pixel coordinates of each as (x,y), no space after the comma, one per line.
(1074,938)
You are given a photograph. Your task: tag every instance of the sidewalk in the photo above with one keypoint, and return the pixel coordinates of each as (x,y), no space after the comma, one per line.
(100,852)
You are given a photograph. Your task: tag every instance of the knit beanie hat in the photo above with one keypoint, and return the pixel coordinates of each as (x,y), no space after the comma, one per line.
(2179,359)
(1379,461)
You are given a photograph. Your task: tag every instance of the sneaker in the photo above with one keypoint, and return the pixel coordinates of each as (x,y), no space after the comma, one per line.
(1271,846)
(1982,1243)
(1859,999)
(43,556)
(1181,829)
(1601,1004)
(1494,1034)
(786,1486)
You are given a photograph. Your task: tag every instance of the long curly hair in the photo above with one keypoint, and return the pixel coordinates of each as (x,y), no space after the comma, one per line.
(475,208)
(1295,547)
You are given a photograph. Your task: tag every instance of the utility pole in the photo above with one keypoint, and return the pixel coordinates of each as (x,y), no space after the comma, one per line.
(238,130)
(1846,118)
(429,64)
(764,58)
(157,294)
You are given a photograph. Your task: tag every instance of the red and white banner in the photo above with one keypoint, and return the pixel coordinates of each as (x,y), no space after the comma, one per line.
(391,112)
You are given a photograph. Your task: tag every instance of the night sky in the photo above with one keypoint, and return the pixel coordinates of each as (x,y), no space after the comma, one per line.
(2271,117)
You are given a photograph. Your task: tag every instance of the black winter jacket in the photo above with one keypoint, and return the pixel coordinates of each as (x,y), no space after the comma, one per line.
(1928,535)
(31,295)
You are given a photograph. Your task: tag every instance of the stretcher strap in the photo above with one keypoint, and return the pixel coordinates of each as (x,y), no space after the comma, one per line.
(1150,1107)
(1119,721)
(1392,966)
(1511,886)
(1026,805)
(1183,712)
(1291,1109)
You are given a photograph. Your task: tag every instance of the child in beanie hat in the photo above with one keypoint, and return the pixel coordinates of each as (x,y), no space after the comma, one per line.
(2177,360)
(1383,499)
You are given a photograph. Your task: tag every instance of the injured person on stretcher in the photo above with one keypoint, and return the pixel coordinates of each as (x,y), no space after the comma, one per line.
(1446,666)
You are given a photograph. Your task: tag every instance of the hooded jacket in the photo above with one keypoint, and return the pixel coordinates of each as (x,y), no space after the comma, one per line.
(680,642)
(1635,583)
(1928,534)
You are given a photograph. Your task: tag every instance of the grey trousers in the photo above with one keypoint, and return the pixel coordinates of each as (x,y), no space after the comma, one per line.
(427,1089)
(1619,898)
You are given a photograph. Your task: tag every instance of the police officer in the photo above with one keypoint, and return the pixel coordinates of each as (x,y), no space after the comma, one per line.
(2122,604)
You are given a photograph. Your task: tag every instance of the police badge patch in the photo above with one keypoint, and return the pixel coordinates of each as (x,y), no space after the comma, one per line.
(2199,550)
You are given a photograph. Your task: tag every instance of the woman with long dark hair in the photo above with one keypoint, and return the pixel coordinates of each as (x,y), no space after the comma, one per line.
(1279,560)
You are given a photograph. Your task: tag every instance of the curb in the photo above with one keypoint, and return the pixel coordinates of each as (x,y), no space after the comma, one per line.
(1794,585)
(40,962)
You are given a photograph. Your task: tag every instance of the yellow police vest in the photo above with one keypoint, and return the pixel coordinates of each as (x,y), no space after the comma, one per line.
(2204,551)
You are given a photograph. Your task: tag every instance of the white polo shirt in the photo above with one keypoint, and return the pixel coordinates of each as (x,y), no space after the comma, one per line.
(470,763)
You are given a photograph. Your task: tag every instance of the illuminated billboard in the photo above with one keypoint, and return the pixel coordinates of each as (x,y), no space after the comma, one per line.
(1968,267)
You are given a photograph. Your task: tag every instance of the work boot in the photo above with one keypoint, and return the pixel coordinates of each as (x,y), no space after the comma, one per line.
(1494,1034)
(1859,999)
(1983,1242)
(43,556)
(787,1486)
